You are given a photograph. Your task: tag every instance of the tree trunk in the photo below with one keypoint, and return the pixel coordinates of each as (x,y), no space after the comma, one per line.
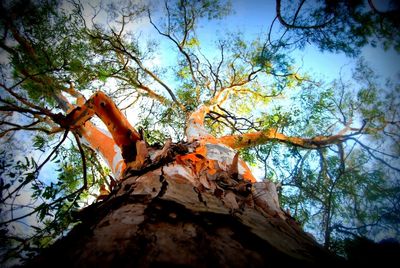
(159,216)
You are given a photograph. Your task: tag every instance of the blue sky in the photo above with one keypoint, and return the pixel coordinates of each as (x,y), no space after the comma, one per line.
(256,16)
(252,18)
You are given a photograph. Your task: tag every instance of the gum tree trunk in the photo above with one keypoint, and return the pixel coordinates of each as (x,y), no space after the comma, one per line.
(193,204)
(159,217)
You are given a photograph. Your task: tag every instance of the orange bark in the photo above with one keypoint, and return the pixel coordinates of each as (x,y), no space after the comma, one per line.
(200,160)
(106,146)
(195,125)
(101,105)
(123,134)
(95,138)
(130,142)
(196,131)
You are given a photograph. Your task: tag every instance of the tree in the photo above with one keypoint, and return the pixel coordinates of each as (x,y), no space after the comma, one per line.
(345,26)
(319,143)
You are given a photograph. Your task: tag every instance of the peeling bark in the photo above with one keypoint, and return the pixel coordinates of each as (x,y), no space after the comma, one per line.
(135,151)
(166,217)
(192,204)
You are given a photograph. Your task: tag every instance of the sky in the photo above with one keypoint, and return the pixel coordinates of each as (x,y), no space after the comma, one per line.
(252,18)
(255,16)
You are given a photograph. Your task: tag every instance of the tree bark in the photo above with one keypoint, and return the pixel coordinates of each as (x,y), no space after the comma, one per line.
(164,216)
(193,204)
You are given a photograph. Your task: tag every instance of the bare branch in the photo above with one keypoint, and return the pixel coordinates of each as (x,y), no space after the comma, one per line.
(372,154)
(28,127)
(219,98)
(293,25)
(148,91)
(24,101)
(179,45)
(38,208)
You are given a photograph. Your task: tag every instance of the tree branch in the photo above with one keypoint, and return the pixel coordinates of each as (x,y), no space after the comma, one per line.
(118,46)
(293,25)
(179,45)
(370,152)
(262,137)
(28,127)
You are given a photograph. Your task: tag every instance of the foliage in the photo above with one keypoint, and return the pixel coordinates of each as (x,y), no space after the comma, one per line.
(341,25)
(343,186)
(346,186)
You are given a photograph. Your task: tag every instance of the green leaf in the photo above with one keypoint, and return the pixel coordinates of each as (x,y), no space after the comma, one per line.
(193,42)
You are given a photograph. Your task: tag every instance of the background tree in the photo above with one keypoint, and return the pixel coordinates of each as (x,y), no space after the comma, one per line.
(344,26)
(332,147)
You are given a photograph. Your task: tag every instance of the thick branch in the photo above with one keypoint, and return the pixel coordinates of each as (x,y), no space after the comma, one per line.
(262,137)
(195,124)
(94,137)
(101,105)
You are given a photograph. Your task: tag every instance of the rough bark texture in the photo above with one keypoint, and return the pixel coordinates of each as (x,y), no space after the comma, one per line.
(157,217)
